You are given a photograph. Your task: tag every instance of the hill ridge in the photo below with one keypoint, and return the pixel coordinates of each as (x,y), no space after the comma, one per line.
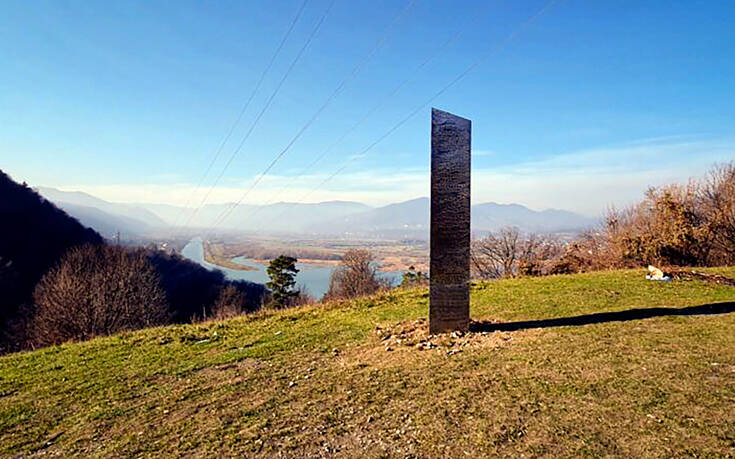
(405,219)
(358,379)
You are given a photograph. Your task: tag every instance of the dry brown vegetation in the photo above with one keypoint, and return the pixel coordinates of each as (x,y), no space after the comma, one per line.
(230,303)
(391,255)
(718,203)
(679,225)
(510,253)
(356,276)
(34,235)
(215,254)
(271,249)
(674,225)
(97,290)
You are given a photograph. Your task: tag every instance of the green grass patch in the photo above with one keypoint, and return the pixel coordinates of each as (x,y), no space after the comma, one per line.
(317,381)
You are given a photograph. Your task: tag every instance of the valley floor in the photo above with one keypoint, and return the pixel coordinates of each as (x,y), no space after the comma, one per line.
(654,378)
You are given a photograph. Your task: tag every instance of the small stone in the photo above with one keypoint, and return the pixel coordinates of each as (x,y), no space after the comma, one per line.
(388,349)
(291,384)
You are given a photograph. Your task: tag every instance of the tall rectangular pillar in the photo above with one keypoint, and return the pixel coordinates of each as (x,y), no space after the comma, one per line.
(449,304)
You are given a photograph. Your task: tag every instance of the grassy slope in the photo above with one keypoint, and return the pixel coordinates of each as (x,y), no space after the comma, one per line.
(663,386)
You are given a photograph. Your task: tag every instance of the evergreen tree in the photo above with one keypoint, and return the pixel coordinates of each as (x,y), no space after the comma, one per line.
(413,277)
(282,272)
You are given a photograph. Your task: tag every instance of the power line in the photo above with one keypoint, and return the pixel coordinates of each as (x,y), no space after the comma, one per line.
(263,110)
(494,50)
(244,108)
(369,113)
(319,111)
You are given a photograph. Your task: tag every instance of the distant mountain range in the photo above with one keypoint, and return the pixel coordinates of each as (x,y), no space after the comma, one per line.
(409,219)
(107,218)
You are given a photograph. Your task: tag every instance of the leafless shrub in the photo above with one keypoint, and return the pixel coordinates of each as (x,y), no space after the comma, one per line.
(717,203)
(192,290)
(674,225)
(666,228)
(357,275)
(231,302)
(510,253)
(495,255)
(539,255)
(591,251)
(96,290)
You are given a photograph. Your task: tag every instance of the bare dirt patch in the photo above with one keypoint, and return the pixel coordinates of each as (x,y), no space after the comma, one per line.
(409,342)
(415,335)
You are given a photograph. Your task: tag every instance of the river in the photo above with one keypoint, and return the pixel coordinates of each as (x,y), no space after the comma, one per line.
(315,278)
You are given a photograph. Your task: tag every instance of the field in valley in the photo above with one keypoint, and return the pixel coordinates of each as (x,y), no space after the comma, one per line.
(599,365)
(215,254)
(391,255)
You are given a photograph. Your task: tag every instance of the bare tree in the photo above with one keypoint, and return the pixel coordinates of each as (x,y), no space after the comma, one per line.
(356,276)
(97,290)
(495,255)
(509,253)
(231,302)
(717,201)
(691,224)
(539,253)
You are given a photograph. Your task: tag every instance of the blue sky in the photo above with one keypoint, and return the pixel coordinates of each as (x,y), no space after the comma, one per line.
(583,108)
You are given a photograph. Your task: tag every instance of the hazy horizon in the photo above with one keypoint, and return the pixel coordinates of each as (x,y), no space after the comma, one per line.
(192,207)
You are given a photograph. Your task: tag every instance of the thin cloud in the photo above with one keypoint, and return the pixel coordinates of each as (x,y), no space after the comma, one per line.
(584,181)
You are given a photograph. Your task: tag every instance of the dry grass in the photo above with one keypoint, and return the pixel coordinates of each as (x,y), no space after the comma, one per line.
(392,255)
(318,381)
(215,254)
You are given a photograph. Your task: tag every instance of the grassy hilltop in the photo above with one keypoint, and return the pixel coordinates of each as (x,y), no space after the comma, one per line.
(360,379)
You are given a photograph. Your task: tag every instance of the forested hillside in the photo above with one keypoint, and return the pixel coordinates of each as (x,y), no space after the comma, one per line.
(34,234)
(60,281)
